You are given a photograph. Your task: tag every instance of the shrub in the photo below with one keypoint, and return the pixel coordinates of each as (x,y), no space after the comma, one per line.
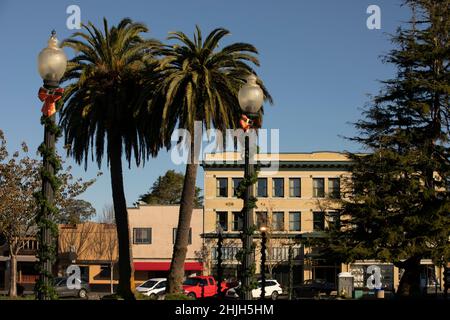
(177,296)
(140,296)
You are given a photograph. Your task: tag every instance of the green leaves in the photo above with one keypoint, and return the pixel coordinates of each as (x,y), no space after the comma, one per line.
(138,89)
(133,92)
(399,207)
(201,82)
(167,190)
(113,75)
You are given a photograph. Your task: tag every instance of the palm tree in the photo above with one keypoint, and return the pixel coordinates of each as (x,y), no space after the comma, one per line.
(200,84)
(107,74)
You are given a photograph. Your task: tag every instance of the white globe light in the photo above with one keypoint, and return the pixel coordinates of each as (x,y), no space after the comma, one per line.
(251,96)
(52,61)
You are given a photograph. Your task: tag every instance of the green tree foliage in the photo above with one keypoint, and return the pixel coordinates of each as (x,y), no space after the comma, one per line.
(167,189)
(76,211)
(19,180)
(110,70)
(397,206)
(71,209)
(200,83)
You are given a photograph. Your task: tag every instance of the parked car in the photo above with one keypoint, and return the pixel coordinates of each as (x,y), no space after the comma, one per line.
(314,287)
(63,289)
(272,290)
(201,287)
(153,287)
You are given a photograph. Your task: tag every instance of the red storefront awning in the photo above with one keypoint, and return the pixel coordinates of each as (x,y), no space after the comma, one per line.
(165,266)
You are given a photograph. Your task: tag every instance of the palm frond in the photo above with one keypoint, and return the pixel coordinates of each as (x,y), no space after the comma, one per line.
(108,75)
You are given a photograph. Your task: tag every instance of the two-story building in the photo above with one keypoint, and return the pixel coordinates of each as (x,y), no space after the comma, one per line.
(297,199)
(26,264)
(297,196)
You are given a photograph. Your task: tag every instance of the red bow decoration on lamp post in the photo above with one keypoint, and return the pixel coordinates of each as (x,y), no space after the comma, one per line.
(246,123)
(49,97)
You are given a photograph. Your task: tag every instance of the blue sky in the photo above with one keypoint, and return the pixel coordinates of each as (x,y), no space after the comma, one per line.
(318,59)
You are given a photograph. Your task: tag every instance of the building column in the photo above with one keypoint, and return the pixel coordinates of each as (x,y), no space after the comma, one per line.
(440,273)
(345,267)
(396,278)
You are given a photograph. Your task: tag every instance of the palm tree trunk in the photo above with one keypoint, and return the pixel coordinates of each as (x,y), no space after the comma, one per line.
(13,276)
(126,277)
(176,273)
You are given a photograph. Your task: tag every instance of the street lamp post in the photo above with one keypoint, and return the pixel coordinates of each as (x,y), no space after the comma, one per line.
(263,231)
(250,99)
(52,64)
(219,259)
(291,272)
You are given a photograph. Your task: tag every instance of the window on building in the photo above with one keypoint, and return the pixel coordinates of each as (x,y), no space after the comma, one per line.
(222,187)
(142,235)
(277,253)
(334,188)
(318,187)
(174,235)
(261,219)
(278,221)
(295,187)
(222,218)
(294,221)
(318,221)
(237,221)
(228,253)
(261,188)
(236,182)
(334,219)
(278,187)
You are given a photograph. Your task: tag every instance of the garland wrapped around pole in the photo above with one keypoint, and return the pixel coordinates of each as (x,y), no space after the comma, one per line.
(52,64)
(48,230)
(291,272)
(245,192)
(247,271)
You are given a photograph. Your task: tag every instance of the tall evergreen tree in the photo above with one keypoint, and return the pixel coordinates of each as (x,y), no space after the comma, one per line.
(397,206)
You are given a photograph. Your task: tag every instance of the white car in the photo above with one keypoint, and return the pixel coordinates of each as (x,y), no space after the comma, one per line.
(152,287)
(272,290)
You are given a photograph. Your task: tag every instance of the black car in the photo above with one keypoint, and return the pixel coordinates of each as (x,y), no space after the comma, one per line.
(79,289)
(314,287)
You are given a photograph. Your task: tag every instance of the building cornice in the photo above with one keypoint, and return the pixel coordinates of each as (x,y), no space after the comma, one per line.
(346,165)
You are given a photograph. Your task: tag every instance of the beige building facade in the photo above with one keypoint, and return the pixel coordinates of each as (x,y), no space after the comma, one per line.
(152,230)
(297,196)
